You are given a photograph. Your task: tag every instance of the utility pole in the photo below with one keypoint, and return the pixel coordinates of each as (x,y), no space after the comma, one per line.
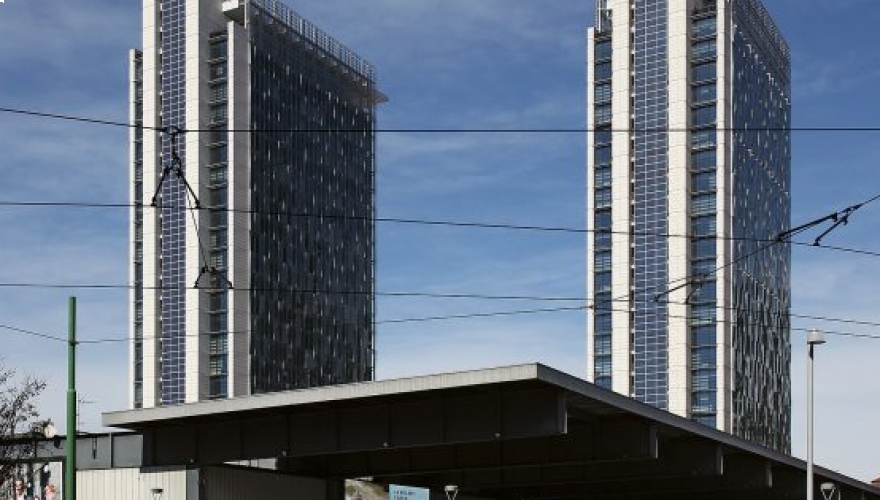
(70,444)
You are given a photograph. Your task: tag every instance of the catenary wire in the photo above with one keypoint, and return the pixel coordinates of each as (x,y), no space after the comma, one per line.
(548,130)
(425,222)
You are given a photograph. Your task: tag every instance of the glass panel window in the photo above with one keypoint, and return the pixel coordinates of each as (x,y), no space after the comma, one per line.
(703,379)
(703,204)
(602,324)
(218,49)
(703,116)
(704,292)
(703,336)
(602,261)
(219,92)
(217,71)
(603,155)
(703,315)
(602,281)
(603,366)
(602,345)
(704,27)
(702,248)
(603,92)
(707,420)
(704,93)
(704,225)
(603,197)
(602,177)
(603,220)
(217,322)
(703,401)
(705,267)
(703,72)
(603,50)
(218,344)
(603,114)
(217,154)
(218,175)
(702,160)
(703,138)
(601,137)
(703,357)
(218,365)
(219,113)
(603,71)
(703,50)
(704,181)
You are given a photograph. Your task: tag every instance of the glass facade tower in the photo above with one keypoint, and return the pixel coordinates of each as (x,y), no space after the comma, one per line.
(269,285)
(689,164)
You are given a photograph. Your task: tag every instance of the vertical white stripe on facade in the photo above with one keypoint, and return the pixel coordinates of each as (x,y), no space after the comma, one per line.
(621,171)
(724,355)
(152,168)
(240,202)
(678,217)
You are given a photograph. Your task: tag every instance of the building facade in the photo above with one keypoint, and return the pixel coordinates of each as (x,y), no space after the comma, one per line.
(689,179)
(261,278)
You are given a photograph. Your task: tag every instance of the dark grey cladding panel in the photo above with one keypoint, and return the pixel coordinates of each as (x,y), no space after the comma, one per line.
(94,453)
(417,422)
(265,436)
(127,450)
(170,445)
(364,428)
(313,433)
(219,440)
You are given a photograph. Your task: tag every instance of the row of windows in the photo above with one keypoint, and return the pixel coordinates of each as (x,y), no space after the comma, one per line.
(218,156)
(703,291)
(602,191)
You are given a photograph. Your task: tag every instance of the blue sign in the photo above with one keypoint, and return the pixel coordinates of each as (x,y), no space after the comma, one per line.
(397,492)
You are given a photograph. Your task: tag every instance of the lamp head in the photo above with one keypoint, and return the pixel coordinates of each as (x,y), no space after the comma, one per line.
(828,487)
(815,337)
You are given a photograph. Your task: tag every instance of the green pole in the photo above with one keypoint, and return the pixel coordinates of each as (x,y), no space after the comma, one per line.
(70,444)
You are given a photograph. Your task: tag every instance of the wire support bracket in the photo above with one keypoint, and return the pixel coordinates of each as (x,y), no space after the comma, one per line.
(175,167)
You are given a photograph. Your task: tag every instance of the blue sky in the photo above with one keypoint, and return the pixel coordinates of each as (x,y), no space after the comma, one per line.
(443,64)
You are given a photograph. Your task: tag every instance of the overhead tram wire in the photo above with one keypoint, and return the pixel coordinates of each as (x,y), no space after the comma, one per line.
(411,221)
(524,130)
(475,296)
(110,340)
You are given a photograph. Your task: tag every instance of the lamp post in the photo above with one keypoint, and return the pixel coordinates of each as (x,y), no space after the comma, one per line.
(814,338)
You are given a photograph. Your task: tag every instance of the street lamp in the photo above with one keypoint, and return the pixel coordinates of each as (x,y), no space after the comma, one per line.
(157,493)
(814,338)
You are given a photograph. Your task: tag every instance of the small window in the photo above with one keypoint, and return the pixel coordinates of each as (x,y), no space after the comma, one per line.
(603,71)
(703,336)
(602,137)
(703,50)
(602,261)
(602,345)
(703,357)
(704,93)
(219,113)
(602,177)
(703,116)
(703,379)
(602,93)
(702,248)
(217,71)
(703,139)
(703,226)
(602,326)
(603,50)
(602,282)
(603,198)
(703,401)
(703,267)
(704,72)
(707,291)
(603,114)
(602,155)
(218,49)
(704,27)
(703,181)
(702,160)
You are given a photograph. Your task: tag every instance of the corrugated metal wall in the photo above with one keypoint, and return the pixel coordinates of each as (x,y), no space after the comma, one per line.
(132,484)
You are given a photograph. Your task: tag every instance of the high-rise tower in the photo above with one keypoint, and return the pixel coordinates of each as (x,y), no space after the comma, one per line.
(689,171)
(270,285)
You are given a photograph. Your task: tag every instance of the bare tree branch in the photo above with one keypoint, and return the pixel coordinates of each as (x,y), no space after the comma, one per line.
(17,411)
